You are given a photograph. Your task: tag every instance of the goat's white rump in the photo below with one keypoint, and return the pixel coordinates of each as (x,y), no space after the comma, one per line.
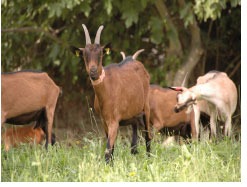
(215,94)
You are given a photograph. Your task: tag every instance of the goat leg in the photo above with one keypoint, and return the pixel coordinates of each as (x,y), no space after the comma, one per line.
(50,114)
(147,137)
(195,122)
(228,126)
(112,134)
(134,139)
(213,124)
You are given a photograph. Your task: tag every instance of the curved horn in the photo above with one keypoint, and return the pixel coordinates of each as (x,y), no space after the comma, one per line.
(123,55)
(185,77)
(97,37)
(87,36)
(137,53)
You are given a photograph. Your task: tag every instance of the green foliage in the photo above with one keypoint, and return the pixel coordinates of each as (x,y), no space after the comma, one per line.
(84,161)
(187,14)
(37,34)
(211,9)
(160,72)
(108,6)
(156,26)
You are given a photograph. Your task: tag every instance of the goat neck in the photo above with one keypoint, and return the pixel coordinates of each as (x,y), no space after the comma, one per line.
(203,91)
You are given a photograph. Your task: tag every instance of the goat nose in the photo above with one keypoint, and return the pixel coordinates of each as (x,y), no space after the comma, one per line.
(93,70)
(93,73)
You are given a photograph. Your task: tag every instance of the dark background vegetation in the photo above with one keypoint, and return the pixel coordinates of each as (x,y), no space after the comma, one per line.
(178,36)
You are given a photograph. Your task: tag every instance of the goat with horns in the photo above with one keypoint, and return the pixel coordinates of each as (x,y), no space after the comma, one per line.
(121,90)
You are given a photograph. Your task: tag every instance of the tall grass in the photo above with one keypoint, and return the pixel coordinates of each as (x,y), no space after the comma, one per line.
(84,161)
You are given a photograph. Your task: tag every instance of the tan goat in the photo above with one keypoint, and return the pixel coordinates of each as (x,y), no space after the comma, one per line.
(121,90)
(29,96)
(13,136)
(216,95)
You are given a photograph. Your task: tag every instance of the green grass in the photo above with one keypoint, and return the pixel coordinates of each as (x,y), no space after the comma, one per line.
(84,161)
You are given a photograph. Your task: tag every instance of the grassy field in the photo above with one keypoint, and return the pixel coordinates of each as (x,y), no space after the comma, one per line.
(83,160)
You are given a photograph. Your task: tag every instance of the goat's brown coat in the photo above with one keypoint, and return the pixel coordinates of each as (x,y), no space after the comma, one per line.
(122,84)
(122,95)
(162,113)
(13,136)
(26,92)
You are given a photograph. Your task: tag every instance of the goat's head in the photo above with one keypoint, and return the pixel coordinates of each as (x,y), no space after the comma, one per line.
(185,98)
(92,54)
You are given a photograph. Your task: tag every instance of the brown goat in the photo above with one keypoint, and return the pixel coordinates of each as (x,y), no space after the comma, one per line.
(13,136)
(162,114)
(29,96)
(121,90)
(163,117)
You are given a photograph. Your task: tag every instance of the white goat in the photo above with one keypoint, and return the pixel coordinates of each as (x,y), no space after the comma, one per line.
(216,95)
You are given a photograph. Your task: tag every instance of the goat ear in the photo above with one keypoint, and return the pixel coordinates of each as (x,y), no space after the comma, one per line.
(176,88)
(107,49)
(76,51)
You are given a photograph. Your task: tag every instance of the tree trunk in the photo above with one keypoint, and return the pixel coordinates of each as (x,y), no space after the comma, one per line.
(175,47)
(194,54)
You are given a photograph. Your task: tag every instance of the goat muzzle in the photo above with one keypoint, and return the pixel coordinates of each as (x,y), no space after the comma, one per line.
(100,79)
(93,74)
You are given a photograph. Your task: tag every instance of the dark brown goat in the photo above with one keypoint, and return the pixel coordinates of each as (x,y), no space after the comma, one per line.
(121,90)
(29,96)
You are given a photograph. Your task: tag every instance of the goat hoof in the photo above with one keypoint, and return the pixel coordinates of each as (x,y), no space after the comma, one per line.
(134,151)
(108,158)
